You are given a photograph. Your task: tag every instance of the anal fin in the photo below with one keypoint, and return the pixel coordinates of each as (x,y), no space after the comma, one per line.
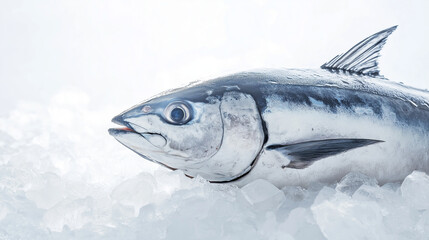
(303,154)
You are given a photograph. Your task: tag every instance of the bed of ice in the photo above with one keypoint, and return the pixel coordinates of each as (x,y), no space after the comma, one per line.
(64,177)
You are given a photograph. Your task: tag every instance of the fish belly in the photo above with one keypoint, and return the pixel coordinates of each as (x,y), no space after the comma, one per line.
(404,148)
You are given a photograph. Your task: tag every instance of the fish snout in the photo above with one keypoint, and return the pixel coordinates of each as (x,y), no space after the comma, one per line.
(124,119)
(118,131)
(126,126)
(133,125)
(120,120)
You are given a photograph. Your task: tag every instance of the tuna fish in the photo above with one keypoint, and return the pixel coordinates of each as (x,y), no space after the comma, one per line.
(288,126)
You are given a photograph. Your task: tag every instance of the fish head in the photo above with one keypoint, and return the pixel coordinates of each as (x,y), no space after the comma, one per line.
(199,129)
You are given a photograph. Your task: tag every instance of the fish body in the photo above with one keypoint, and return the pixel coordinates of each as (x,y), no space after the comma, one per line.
(288,126)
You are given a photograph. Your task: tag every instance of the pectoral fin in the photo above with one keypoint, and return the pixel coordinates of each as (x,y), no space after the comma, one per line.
(303,154)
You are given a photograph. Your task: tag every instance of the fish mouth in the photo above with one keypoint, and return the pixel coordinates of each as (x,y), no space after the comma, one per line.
(156,139)
(116,131)
(125,129)
(120,121)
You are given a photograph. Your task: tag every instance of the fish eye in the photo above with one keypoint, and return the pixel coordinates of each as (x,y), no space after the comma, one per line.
(178,113)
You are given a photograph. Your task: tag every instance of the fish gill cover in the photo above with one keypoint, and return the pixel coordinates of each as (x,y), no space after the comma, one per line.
(63,179)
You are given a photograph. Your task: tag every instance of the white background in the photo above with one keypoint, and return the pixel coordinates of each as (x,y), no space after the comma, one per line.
(121,52)
(67,67)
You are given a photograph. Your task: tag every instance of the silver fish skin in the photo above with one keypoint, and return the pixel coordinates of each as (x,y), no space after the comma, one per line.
(288,126)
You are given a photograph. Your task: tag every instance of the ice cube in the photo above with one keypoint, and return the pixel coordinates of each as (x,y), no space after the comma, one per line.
(135,192)
(422,226)
(302,225)
(415,189)
(71,213)
(4,210)
(352,181)
(263,195)
(47,190)
(341,217)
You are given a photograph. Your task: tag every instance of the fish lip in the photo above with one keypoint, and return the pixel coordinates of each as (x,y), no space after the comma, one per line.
(116,131)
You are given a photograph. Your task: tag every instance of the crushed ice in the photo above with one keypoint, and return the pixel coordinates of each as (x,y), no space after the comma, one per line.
(63,177)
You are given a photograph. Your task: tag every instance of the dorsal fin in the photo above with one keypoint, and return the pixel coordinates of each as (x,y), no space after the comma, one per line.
(363,57)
